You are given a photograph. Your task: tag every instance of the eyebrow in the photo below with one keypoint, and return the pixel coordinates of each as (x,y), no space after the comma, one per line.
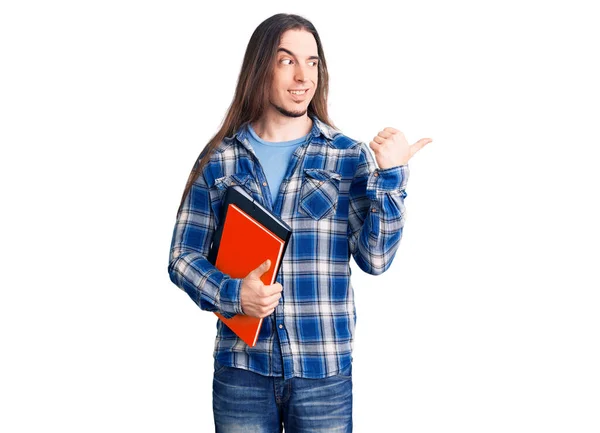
(293,55)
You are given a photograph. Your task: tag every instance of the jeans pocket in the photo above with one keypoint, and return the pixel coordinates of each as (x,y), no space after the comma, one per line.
(319,193)
(345,372)
(219,368)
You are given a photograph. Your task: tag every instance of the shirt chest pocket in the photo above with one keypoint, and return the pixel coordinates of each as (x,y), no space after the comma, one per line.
(319,193)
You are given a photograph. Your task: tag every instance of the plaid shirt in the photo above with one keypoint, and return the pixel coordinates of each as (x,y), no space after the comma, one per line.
(338,203)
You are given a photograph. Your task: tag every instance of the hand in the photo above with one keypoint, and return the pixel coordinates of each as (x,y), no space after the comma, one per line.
(391,148)
(259,300)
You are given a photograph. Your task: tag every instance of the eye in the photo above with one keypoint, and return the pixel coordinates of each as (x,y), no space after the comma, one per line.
(286,60)
(314,62)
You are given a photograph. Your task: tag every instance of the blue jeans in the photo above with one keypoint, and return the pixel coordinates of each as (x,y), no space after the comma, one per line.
(244,401)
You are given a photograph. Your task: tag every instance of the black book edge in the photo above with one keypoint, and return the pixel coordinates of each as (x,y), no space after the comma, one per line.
(237,196)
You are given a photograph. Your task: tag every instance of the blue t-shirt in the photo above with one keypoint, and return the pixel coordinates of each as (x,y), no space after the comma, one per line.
(274,158)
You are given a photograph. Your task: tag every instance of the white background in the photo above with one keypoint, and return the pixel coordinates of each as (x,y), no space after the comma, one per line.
(487,321)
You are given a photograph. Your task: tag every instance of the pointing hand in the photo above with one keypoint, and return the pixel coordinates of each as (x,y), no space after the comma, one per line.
(391,148)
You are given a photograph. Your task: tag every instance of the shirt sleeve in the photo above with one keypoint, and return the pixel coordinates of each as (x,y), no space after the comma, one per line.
(189,268)
(376,213)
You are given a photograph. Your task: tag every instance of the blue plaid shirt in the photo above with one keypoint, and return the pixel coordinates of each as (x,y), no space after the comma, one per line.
(338,203)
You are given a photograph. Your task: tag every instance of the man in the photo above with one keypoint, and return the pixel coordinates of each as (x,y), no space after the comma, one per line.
(278,143)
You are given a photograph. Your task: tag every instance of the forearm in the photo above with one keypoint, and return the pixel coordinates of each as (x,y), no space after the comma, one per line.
(209,288)
(377,215)
(189,268)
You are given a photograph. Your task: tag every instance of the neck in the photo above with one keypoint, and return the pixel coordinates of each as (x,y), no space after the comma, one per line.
(277,127)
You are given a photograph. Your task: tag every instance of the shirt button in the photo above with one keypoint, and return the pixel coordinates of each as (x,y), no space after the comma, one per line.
(233,183)
(373,209)
(280,326)
(320,182)
(376,174)
(264,183)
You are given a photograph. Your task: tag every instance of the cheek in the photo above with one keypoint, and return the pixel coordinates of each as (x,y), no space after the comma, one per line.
(279,86)
(275,90)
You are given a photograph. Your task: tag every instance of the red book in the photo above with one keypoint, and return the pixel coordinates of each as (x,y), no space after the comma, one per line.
(246,237)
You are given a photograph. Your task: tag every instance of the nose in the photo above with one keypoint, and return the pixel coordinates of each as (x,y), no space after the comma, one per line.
(300,74)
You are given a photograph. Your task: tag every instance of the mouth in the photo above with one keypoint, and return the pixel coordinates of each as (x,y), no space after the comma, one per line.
(298,91)
(298,94)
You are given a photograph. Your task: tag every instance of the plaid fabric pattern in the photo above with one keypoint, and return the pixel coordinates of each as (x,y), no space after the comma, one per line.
(338,204)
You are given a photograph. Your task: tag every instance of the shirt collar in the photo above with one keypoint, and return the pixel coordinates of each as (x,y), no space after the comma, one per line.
(317,130)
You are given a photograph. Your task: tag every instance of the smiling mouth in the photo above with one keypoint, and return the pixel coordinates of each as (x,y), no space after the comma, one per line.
(298,92)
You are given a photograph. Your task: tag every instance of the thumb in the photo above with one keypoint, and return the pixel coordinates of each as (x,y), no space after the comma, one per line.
(264,267)
(419,145)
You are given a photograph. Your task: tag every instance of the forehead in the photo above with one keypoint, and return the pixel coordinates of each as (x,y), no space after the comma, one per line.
(299,42)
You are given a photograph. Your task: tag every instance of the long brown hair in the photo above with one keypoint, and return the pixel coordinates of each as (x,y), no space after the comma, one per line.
(252,90)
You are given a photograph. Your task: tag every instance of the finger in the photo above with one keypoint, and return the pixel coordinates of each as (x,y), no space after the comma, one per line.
(266,313)
(375,146)
(379,140)
(385,134)
(264,267)
(273,289)
(273,299)
(269,302)
(392,130)
(419,145)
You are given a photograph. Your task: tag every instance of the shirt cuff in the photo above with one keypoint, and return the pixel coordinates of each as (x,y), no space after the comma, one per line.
(229,298)
(389,179)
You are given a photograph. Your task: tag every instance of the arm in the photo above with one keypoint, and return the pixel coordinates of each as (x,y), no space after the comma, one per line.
(376,213)
(189,269)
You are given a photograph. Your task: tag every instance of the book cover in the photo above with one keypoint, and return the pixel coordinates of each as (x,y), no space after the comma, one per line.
(248,235)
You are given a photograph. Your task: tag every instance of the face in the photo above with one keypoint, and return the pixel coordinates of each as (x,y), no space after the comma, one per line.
(296,68)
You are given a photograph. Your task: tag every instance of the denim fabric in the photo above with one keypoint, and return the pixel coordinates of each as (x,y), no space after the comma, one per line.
(244,401)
